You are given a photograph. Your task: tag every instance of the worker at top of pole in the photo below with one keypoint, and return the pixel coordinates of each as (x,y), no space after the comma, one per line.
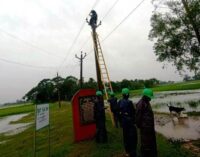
(93,19)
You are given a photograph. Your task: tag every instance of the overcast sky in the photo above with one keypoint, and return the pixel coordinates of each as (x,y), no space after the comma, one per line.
(40,33)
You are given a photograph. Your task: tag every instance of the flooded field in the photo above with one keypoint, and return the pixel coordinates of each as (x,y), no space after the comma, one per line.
(189,99)
(10,129)
(183,129)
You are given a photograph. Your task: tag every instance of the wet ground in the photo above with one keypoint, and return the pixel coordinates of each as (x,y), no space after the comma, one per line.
(10,129)
(189,99)
(183,129)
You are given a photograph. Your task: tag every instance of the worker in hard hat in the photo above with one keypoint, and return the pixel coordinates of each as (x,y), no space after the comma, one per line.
(99,115)
(93,18)
(127,112)
(145,122)
(114,107)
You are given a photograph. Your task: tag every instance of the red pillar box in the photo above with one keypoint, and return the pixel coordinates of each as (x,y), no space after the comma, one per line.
(83,115)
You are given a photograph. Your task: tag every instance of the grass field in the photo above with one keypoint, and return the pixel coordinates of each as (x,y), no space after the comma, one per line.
(62,145)
(189,85)
(16,109)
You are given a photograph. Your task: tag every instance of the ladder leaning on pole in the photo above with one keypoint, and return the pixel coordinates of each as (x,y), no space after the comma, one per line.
(102,66)
(103,69)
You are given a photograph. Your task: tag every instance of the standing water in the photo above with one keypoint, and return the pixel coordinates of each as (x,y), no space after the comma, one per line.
(175,98)
(10,129)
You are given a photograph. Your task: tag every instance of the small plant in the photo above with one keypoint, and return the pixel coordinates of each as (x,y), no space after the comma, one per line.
(176,142)
(178,104)
(193,104)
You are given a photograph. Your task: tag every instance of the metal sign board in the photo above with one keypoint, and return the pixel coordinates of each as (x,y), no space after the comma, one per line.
(42,116)
(83,114)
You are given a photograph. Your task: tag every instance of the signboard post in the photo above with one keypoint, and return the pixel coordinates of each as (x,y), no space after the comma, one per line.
(42,116)
(41,121)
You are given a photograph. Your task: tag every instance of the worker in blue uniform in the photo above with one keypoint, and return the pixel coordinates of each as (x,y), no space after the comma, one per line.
(127,112)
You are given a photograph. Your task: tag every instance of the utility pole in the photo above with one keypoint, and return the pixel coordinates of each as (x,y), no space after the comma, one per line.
(81,67)
(58,90)
(94,25)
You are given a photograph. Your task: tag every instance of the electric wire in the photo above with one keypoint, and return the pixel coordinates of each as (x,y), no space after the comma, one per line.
(110,10)
(106,14)
(76,37)
(25,65)
(123,20)
(31,66)
(29,43)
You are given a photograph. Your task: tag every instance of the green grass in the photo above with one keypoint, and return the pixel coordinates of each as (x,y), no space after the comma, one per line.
(62,144)
(194,113)
(190,85)
(16,110)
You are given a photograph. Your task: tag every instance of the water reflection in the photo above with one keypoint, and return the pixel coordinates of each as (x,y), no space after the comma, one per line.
(190,100)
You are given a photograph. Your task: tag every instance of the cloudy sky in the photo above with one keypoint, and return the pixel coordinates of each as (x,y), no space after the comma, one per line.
(38,35)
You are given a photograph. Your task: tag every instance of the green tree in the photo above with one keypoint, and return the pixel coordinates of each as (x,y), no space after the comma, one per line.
(176,32)
(126,84)
(91,83)
(69,87)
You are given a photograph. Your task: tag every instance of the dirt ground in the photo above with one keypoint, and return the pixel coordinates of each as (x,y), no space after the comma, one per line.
(180,126)
(193,148)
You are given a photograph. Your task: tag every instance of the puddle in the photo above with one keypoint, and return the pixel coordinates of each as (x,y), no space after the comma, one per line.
(2,142)
(177,98)
(12,129)
(185,129)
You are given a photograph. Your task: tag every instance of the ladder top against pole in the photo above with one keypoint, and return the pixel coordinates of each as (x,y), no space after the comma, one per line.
(103,68)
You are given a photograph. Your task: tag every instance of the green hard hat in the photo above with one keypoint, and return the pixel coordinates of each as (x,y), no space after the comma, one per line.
(125,91)
(99,93)
(112,93)
(148,92)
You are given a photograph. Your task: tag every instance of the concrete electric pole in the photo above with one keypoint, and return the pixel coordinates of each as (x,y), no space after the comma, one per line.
(81,67)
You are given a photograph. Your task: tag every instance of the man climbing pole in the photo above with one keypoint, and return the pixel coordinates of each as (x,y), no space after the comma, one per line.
(145,122)
(93,19)
(100,118)
(127,112)
(114,107)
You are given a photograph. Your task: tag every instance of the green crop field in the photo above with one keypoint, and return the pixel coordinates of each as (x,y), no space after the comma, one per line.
(61,139)
(189,85)
(16,109)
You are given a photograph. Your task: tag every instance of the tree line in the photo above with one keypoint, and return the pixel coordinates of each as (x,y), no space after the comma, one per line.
(48,90)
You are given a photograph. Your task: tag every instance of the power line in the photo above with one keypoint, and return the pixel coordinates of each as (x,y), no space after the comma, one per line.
(95,4)
(25,65)
(29,43)
(132,11)
(30,66)
(122,21)
(106,14)
(110,9)
(76,38)
(73,43)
